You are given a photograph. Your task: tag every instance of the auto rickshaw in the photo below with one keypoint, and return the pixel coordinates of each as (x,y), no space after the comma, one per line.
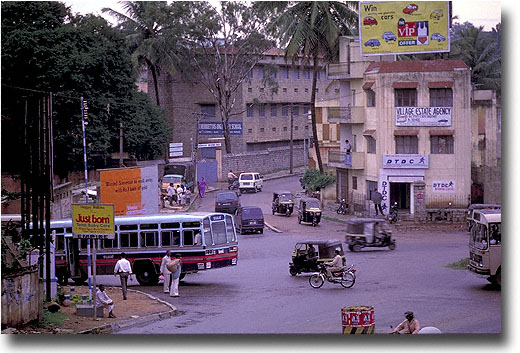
(309,211)
(308,254)
(283,202)
(368,232)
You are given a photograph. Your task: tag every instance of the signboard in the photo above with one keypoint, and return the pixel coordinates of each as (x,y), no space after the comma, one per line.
(175,149)
(404,27)
(211,144)
(405,161)
(132,191)
(423,116)
(215,128)
(93,221)
(445,186)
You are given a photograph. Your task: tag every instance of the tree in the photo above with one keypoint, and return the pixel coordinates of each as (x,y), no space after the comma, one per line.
(221,48)
(310,30)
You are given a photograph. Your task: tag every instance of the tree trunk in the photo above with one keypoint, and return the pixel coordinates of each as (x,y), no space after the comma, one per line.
(225,130)
(155,83)
(313,116)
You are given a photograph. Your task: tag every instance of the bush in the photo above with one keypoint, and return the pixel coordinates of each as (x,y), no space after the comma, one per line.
(315,181)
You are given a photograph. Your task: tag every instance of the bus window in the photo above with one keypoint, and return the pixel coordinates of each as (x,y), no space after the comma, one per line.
(60,242)
(207,231)
(128,227)
(170,238)
(170,225)
(495,233)
(108,244)
(149,226)
(190,224)
(148,239)
(128,240)
(187,237)
(218,229)
(230,230)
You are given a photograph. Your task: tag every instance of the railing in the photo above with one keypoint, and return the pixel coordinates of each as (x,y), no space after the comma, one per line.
(354,160)
(345,115)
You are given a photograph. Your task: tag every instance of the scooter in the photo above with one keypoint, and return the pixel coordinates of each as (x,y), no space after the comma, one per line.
(392,216)
(343,207)
(345,277)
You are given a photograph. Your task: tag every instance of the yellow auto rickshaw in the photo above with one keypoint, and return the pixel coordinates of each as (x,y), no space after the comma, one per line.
(283,202)
(309,211)
(308,254)
(368,232)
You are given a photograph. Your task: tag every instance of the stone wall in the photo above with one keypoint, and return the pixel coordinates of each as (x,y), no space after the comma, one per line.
(490,178)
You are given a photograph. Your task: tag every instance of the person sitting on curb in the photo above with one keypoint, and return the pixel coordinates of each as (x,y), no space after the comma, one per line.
(102,299)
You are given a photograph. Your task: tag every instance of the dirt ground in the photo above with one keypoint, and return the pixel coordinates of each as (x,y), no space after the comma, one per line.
(137,305)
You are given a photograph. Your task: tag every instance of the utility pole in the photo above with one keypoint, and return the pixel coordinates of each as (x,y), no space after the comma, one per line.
(291,143)
(121,145)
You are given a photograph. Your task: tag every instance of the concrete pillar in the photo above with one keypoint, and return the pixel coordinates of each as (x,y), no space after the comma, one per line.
(419,189)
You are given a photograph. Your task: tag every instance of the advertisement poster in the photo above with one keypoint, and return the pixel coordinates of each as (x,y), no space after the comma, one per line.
(93,221)
(214,128)
(403,27)
(423,116)
(443,186)
(132,191)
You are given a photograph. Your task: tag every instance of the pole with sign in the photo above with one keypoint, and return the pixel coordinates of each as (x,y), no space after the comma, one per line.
(93,222)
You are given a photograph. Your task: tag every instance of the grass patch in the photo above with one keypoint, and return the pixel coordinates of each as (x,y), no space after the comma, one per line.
(333,219)
(52,319)
(462,264)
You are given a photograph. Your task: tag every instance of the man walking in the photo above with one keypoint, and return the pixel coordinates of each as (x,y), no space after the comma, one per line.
(164,271)
(377,198)
(124,270)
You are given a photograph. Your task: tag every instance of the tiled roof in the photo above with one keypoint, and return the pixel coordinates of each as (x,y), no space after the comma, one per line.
(416,66)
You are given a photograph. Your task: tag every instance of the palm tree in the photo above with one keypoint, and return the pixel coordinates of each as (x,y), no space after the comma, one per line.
(147,25)
(310,30)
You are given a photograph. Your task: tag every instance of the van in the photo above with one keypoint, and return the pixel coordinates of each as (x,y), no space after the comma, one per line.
(227,202)
(249,219)
(250,182)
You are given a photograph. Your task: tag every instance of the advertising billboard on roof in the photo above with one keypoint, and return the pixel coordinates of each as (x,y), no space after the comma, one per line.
(404,27)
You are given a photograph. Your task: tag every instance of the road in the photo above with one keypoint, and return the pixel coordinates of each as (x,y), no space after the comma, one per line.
(259,295)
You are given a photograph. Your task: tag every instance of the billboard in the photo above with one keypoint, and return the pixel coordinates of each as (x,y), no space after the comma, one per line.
(423,116)
(132,191)
(404,27)
(93,221)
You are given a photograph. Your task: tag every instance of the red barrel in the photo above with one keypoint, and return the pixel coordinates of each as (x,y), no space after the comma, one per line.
(358,320)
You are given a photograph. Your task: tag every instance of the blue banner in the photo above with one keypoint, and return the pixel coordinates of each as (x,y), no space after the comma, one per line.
(214,128)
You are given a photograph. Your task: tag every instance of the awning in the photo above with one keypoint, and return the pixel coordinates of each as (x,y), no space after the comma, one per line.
(406,132)
(369,132)
(440,84)
(406,84)
(368,85)
(442,132)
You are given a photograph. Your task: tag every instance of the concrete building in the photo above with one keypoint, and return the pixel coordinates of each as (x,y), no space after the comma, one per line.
(409,123)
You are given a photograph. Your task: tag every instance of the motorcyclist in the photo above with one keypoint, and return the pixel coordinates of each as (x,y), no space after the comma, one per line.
(410,324)
(335,265)
(231,177)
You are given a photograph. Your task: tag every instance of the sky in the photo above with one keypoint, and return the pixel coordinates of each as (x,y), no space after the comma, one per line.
(480,13)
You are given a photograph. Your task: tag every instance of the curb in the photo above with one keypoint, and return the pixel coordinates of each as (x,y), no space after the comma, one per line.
(112,327)
(273,228)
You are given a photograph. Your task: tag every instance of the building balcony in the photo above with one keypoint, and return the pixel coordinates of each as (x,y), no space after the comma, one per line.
(346,71)
(348,115)
(354,160)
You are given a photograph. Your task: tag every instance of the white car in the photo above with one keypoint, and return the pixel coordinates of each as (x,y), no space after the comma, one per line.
(250,182)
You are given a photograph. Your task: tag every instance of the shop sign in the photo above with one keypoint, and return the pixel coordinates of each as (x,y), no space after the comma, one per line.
(423,116)
(405,161)
(443,186)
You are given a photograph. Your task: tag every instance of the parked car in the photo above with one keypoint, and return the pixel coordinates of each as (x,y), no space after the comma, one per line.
(227,202)
(436,15)
(369,21)
(250,182)
(410,9)
(249,219)
(372,43)
(438,37)
(388,36)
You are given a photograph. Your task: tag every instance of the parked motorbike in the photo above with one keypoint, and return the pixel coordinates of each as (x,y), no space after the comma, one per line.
(346,277)
(392,216)
(442,215)
(343,207)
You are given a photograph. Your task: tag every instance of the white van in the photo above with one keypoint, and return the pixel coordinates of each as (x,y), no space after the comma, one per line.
(250,182)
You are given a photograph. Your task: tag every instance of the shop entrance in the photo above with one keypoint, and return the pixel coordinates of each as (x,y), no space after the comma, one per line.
(400,193)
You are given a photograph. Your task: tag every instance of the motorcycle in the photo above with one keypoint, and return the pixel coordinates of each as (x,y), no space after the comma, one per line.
(343,207)
(392,216)
(346,277)
(233,184)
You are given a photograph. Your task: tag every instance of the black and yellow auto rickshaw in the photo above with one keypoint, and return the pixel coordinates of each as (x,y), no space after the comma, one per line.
(309,211)
(368,232)
(308,254)
(283,202)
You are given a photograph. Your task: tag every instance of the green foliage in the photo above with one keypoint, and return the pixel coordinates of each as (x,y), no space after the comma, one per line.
(314,180)
(462,264)
(53,319)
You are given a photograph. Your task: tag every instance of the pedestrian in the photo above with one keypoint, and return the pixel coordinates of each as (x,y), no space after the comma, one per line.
(164,271)
(198,188)
(202,187)
(174,266)
(124,270)
(180,191)
(377,198)
(171,193)
(102,299)
(348,147)
(183,195)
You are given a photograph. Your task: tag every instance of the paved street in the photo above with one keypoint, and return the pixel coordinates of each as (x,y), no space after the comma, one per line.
(259,295)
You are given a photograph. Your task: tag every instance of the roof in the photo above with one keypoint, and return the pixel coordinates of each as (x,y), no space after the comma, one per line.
(381,67)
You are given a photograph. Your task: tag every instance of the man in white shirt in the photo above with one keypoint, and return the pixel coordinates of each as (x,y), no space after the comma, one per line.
(180,192)
(102,299)
(124,270)
(335,265)
(171,192)
(164,271)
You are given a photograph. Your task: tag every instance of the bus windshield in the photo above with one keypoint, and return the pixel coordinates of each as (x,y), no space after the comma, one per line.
(218,230)
(479,237)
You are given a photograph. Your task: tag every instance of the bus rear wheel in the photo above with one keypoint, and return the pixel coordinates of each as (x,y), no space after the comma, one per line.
(147,277)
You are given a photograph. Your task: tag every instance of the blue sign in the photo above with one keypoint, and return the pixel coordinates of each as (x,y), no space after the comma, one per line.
(214,128)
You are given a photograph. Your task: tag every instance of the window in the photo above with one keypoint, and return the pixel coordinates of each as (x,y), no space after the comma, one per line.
(296,90)
(261,89)
(306,109)
(371,144)
(274,110)
(296,74)
(442,144)
(149,239)
(406,144)
(249,89)
(296,110)
(371,98)
(261,110)
(306,90)
(262,129)
(285,128)
(249,131)
(441,97)
(371,187)
(285,110)
(208,110)
(218,230)
(274,129)
(284,90)
(128,240)
(405,97)
(354,183)
(250,110)
(260,72)
(286,72)
(250,75)
(296,128)
(307,73)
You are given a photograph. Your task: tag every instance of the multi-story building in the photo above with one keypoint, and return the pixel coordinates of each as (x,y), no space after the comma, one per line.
(409,125)
(263,116)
